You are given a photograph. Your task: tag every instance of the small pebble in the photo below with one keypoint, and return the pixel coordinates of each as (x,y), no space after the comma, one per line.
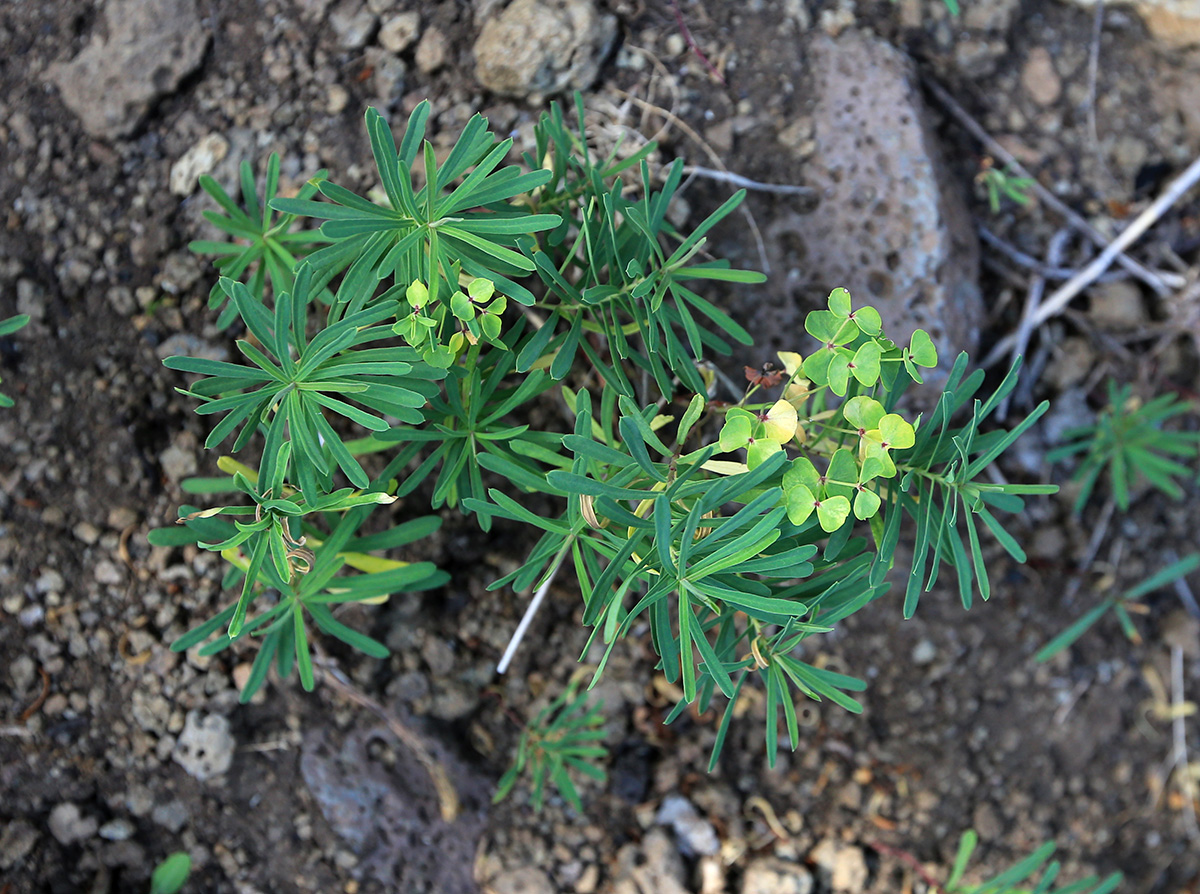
(117,830)
(68,824)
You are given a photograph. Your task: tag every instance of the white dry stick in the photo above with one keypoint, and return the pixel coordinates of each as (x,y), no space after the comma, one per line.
(1031,263)
(1033,299)
(1161,282)
(1062,296)
(781,189)
(1179,739)
(527,618)
(690,132)
(1093,71)
(1058,301)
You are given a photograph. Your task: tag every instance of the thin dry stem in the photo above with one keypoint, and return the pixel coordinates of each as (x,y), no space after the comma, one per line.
(713,157)
(446,795)
(1161,283)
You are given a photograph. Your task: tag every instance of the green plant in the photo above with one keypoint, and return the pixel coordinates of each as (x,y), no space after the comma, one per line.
(7,327)
(1019,879)
(171,874)
(269,250)
(1001,184)
(1129,441)
(565,736)
(430,325)
(1120,604)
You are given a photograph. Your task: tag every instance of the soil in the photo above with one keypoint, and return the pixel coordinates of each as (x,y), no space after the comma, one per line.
(961,729)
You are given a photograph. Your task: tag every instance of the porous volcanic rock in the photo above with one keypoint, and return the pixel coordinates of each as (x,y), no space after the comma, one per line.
(888,224)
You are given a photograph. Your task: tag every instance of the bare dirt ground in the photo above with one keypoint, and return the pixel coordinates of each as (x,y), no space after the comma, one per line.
(962,729)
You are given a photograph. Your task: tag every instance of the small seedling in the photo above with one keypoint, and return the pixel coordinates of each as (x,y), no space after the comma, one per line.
(1128,441)
(1002,184)
(1121,604)
(563,738)
(1019,878)
(7,327)
(171,874)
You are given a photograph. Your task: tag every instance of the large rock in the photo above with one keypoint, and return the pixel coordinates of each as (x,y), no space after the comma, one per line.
(151,46)
(1175,23)
(537,48)
(887,224)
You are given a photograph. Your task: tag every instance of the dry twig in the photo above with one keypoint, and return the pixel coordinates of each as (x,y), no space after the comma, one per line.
(1033,299)
(687,35)
(712,156)
(779,189)
(1058,301)
(910,861)
(1041,268)
(1187,785)
(446,795)
(1161,283)
(519,634)
(39,701)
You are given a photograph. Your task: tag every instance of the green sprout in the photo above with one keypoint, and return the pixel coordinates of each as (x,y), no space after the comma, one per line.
(1019,878)
(171,874)
(563,738)
(7,327)
(267,250)
(1128,441)
(1003,184)
(1120,604)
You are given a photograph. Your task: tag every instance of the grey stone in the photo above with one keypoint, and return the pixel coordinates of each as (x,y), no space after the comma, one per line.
(453,700)
(172,815)
(439,655)
(353,24)
(184,345)
(1117,306)
(694,834)
(107,572)
(151,711)
(841,867)
(770,875)
(199,160)
(205,747)
(22,672)
(118,829)
(1175,23)
(432,51)
(990,15)
(68,824)
(150,47)
(31,299)
(177,463)
(16,841)
(663,871)
(888,223)
(389,76)
(1039,78)
(536,48)
(526,880)
(400,32)
(924,652)
(49,581)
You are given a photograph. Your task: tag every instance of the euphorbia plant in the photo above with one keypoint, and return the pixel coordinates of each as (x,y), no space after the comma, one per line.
(735,523)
